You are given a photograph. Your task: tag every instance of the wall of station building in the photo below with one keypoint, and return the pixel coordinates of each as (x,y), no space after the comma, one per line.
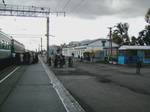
(96,46)
(74,50)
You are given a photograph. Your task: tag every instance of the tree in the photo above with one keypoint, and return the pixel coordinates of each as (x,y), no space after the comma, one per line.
(144,35)
(116,38)
(120,34)
(133,41)
(147,16)
(63,45)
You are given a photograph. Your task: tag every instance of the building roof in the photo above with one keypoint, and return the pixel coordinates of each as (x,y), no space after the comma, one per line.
(101,39)
(85,42)
(134,48)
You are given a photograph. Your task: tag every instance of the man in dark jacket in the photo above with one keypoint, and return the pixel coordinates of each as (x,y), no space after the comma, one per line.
(138,65)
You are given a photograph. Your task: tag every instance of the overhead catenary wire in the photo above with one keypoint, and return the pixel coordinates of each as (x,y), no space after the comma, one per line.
(60,4)
(27,35)
(57,4)
(4,2)
(36,36)
(66,4)
(77,6)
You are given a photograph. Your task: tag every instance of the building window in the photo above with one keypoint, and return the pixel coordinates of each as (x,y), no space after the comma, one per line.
(147,54)
(3,44)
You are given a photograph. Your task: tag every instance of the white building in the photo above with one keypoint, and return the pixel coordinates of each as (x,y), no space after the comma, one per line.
(67,51)
(54,49)
(95,46)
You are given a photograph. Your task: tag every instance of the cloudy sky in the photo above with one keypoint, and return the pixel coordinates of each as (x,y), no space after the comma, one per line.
(85,19)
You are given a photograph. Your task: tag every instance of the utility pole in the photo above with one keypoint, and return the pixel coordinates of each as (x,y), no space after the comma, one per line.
(39,48)
(47,38)
(110,41)
(41,44)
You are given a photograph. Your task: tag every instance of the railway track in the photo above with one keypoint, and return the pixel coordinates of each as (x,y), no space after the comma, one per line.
(6,71)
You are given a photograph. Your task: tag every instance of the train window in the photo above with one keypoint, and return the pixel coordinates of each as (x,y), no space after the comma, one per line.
(9,46)
(3,42)
(6,45)
(0,44)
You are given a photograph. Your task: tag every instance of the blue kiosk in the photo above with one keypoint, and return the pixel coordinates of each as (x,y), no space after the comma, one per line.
(129,54)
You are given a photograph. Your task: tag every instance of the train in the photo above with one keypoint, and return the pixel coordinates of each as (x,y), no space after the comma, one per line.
(9,47)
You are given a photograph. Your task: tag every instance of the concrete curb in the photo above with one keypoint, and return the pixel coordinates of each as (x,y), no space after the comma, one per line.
(70,104)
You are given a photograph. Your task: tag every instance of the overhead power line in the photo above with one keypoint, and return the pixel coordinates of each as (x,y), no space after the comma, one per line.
(27,35)
(77,6)
(66,4)
(30,35)
(4,2)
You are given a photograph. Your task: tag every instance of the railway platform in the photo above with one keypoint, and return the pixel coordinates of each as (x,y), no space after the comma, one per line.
(33,92)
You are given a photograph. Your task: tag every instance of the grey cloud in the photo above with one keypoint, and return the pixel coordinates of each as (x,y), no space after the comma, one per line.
(92,8)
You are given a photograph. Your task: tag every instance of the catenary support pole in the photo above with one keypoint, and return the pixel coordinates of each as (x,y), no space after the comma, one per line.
(41,44)
(110,40)
(47,38)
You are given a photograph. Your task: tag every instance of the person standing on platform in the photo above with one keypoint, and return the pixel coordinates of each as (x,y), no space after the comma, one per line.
(49,61)
(21,58)
(138,66)
(13,58)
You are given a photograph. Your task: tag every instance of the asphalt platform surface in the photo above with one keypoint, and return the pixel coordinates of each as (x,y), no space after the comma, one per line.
(33,92)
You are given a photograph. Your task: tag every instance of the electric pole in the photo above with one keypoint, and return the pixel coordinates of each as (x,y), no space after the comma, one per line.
(41,44)
(110,41)
(39,48)
(47,38)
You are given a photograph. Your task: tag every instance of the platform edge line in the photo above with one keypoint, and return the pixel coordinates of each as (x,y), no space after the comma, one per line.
(70,104)
(1,81)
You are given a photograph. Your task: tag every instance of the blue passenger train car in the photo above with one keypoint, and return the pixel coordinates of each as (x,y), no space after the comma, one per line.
(8,46)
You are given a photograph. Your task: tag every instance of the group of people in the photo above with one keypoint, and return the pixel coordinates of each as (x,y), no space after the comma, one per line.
(58,61)
(24,58)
